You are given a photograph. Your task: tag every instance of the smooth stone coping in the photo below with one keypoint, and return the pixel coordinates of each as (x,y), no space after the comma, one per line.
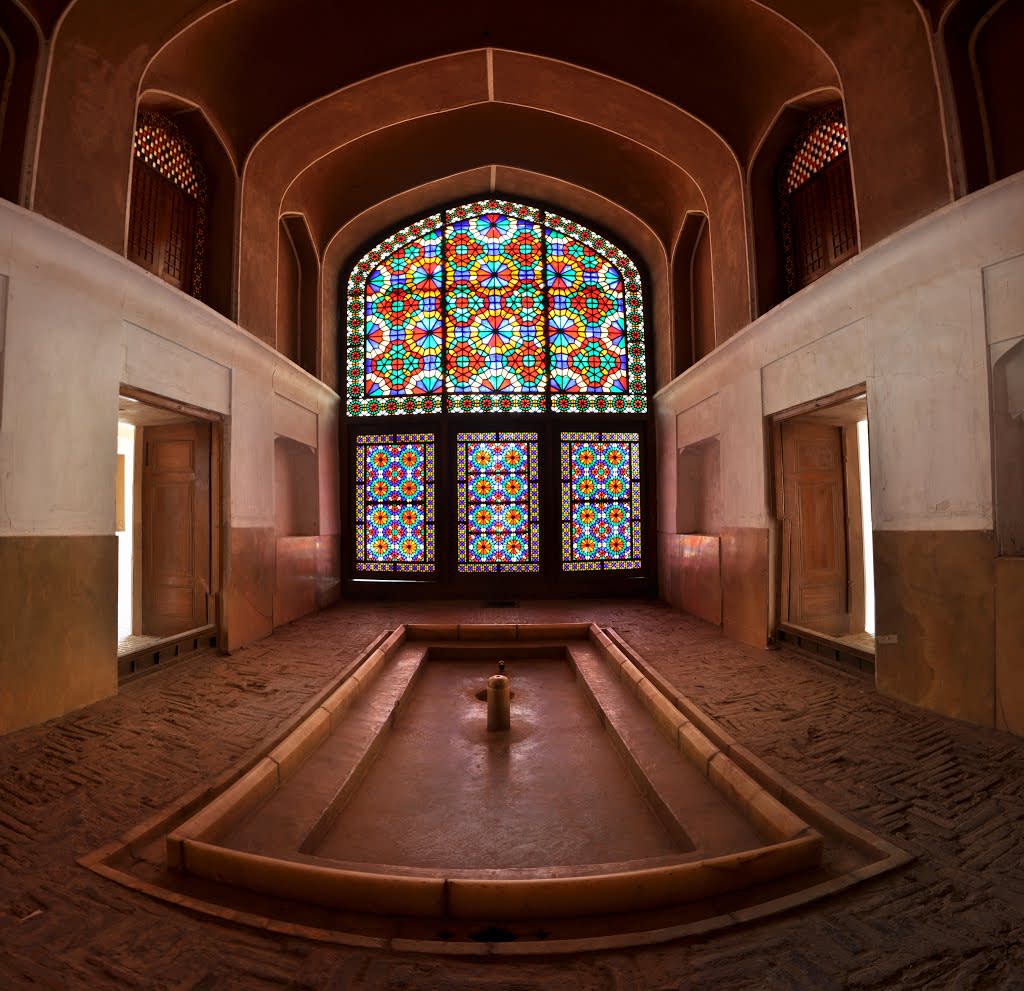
(791,844)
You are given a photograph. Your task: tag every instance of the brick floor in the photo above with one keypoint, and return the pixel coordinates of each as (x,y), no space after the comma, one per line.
(949,793)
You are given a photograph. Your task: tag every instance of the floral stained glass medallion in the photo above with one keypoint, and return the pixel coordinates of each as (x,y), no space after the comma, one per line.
(498,502)
(395,502)
(601,509)
(495,307)
(586,320)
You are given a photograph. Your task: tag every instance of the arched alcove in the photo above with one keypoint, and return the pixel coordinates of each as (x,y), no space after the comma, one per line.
(298,293)
(983,41)
(19,54)
(188,125)
(807,146)
(693,309)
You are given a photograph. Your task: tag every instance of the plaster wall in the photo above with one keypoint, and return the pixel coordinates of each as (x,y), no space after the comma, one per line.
(80,322)
(919,319)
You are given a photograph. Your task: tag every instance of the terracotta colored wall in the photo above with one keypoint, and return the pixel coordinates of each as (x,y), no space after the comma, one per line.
(19,67)
(936,612)
(1009,620)
(58,613)
(897,148)
(682,289)
(308,273)
(745,589)
(998,53)
(692,574)
(287,338)
(520,84)
(703,296)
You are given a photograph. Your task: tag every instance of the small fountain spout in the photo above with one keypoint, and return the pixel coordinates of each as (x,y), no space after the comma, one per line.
(498,701)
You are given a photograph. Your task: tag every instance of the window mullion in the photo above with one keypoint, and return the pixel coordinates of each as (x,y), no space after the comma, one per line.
(545,317)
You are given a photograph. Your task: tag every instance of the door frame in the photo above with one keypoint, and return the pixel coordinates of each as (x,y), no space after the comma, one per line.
(218,495)
(777,499)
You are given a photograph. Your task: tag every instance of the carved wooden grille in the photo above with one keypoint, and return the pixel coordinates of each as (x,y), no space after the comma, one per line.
(166,232)
(816,211)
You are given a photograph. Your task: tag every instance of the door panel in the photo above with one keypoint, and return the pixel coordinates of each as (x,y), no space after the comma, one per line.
(175,527)
(815,523)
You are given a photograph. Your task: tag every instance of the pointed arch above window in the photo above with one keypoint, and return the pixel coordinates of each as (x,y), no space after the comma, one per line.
(495,306)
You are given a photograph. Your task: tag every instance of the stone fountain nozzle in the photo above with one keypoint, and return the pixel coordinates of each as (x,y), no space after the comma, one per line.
(498,698)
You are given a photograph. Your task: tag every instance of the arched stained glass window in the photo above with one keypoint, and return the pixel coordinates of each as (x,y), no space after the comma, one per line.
(495,307)
(500,350)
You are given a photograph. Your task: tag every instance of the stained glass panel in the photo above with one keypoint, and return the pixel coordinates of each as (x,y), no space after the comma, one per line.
(499,502)
(499,307)
(404,324)
(370,377)
(595,323)
(494,309)
(601,514)
(395,502)
(586,319)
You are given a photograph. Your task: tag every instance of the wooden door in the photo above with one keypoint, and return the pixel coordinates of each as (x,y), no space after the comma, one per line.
(175,527)
(814,527)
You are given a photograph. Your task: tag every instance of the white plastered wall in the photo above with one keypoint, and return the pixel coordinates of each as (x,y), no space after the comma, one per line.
(82,322)
(908,318)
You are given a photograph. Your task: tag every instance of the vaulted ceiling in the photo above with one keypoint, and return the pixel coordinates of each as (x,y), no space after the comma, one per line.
(333,109)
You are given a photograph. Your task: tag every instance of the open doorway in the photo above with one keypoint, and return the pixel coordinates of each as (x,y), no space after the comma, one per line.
(168,531)
(823,500)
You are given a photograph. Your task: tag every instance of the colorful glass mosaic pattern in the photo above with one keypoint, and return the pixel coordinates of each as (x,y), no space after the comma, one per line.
(824,143)
(395,502)
(601,513)
(403,321)
(499,502)
(160,145)
(586,319)
(495,307)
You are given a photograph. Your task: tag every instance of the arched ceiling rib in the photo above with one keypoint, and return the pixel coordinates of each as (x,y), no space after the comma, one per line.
(253,62)
(715,71)
(584,116)
(621,226)
(349,181)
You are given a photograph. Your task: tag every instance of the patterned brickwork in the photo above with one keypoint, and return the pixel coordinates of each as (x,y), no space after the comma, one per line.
(950,793)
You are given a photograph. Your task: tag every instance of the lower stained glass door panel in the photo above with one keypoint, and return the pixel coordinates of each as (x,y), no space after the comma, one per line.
(395,503)
(498,478)
(601,507)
